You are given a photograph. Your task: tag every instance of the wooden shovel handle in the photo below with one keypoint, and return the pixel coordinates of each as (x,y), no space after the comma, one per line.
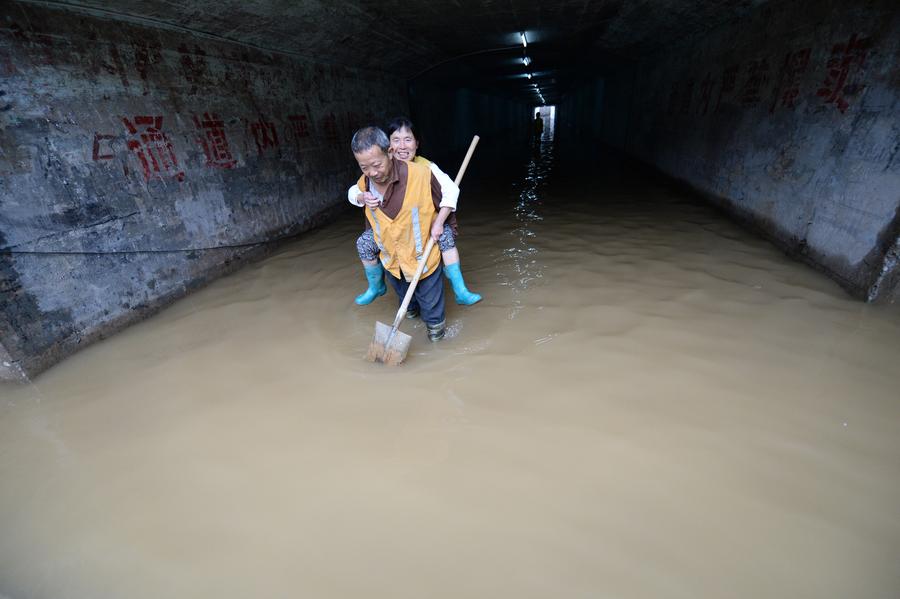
(465,162)
(412,284)
(415,280)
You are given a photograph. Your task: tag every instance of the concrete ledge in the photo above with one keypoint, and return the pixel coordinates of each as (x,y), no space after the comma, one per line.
(22,368)
(878,281)
(10,370)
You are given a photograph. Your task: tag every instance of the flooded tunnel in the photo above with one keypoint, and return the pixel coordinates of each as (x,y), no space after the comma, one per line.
(666,364)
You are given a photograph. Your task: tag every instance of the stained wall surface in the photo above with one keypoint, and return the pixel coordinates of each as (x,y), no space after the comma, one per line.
(140,158)
(451,114)
(139,162)
(790,119)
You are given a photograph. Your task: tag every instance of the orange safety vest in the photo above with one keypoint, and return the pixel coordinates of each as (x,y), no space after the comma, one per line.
(401,241)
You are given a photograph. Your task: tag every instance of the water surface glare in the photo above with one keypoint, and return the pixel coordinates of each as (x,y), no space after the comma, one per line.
(650,402)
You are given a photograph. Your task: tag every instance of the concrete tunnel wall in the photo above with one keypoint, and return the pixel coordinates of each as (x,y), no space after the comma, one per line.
(594,118)
(789,120)
(448,116)
(134,148)
(126,144)
(583,120)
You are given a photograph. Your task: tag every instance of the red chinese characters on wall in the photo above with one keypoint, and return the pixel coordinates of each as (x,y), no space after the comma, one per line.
(673,98)
(705,93)
(729,82)
(353,122)
(330,127)
(38,44)
(748,84)
(757,77)
(264,135)
(111,62)
(152,147)
(146,53)
(101,149)
(297,128)
(845,60)
(788,88)
(299,125)
(7,68)
(193,65)
(687,94)
(214,141)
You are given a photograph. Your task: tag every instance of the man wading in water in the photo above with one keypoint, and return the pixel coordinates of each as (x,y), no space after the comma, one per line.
(405,145)
(402,204)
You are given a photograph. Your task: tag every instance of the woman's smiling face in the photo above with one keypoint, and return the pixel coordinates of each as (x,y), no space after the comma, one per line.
(404,144)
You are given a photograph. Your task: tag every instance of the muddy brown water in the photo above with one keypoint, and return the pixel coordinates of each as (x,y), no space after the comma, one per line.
(650,402)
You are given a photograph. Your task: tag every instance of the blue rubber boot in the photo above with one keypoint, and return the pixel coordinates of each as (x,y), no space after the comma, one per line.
(463,295)
(377,288)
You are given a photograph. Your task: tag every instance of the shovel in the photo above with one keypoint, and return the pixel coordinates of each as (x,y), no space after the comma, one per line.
(390,345)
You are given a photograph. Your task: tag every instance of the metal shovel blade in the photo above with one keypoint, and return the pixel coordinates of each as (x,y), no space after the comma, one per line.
(384,348)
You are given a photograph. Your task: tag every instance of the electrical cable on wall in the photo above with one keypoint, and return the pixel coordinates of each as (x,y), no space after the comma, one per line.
(9,251)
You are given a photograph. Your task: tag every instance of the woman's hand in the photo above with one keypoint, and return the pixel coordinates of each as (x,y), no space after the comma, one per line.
(437,229)
(370,200)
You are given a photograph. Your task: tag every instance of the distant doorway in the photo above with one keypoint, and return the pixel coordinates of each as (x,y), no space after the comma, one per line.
(547,115)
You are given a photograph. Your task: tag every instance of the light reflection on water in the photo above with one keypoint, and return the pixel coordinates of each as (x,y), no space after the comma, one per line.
(649,402)
(523,256)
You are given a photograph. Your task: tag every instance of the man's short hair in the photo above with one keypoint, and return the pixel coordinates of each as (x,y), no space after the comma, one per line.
(367,137)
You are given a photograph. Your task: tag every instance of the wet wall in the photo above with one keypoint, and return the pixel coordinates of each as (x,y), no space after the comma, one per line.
(580,119)
(596,114)
(447,116)
(790,120)
(139,162)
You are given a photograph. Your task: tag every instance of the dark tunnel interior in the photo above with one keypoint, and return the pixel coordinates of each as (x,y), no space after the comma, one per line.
(137,135)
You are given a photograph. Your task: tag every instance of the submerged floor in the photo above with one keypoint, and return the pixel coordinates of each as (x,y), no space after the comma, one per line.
(649,403)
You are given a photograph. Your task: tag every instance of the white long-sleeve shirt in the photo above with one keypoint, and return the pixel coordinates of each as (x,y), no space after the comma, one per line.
(449,189)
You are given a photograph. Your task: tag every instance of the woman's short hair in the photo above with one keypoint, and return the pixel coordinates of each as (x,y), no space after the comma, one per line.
(401,122)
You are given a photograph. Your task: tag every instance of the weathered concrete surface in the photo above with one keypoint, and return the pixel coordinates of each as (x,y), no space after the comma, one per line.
(448,116)
(789,119)
(139,163)
(413,36)
(10,369)
(582,115)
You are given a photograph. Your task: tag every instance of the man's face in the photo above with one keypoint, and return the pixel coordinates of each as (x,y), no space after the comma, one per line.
(404,144)
(375,164)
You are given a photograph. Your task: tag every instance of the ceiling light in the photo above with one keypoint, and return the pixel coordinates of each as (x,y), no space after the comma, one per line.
(528,75)
(526,61)
(524,41)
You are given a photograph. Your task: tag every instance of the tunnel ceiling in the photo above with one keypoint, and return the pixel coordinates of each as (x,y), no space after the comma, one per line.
(469,42)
